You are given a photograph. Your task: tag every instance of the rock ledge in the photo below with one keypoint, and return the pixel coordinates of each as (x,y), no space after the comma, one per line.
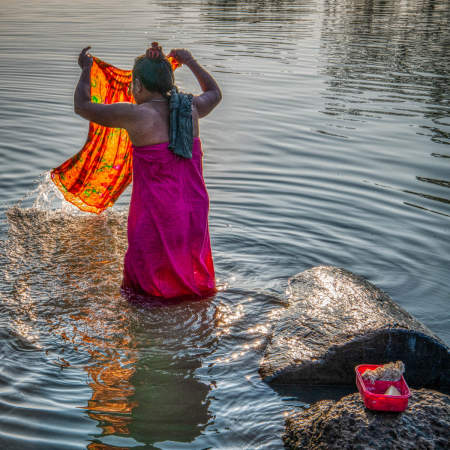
(347,424)
(337,320)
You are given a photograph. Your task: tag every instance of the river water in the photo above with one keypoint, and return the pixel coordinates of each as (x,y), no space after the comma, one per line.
(331,146)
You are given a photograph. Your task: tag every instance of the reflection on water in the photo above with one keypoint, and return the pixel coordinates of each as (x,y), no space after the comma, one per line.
(397,51)
(330,147)
(70,266)
(389,58)
(62,275)
(137,371)
(276,12)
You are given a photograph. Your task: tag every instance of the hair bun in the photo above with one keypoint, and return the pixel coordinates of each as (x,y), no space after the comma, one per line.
(155,51)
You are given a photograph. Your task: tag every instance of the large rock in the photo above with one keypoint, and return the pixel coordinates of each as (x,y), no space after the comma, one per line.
(337,320)
(347,424)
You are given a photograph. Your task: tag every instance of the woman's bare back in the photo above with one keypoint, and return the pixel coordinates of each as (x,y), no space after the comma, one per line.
(152,123)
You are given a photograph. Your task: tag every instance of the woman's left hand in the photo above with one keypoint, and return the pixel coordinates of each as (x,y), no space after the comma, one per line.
(85,58)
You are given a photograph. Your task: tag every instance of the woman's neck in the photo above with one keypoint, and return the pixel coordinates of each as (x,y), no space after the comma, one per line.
(152,97)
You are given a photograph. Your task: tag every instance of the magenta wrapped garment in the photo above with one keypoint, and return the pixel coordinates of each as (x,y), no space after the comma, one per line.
(169,250)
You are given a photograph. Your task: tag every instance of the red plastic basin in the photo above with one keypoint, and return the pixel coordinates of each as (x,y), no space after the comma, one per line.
(373,393)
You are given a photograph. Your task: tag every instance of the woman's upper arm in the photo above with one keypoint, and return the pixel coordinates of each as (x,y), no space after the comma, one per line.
(116,115)
(206,102)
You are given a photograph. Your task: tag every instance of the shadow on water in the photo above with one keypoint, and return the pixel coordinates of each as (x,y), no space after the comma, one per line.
(312,394)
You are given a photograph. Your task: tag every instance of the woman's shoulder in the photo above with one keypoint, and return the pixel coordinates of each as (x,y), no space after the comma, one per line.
(151,125)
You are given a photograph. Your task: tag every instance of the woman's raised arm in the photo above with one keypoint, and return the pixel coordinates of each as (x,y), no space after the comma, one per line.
(212,95)
(117,115)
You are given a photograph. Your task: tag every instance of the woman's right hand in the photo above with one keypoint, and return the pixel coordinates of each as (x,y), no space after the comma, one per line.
(182,55)
(85,58)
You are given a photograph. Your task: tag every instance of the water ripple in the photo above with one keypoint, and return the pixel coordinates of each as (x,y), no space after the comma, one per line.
(330,147)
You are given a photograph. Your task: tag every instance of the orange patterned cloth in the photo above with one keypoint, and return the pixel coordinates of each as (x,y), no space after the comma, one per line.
(95,177)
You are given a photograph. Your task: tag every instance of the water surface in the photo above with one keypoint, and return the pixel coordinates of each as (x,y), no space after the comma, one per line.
(331,146)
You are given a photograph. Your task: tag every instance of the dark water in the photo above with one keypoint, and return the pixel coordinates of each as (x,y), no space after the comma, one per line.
(331,146)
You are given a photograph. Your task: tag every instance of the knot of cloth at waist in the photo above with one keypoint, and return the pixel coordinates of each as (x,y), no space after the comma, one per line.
(181,130)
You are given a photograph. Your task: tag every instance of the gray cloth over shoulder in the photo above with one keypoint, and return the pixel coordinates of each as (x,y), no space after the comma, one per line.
(181,130)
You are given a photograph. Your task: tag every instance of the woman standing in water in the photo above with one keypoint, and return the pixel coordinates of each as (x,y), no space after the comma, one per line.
(169,250)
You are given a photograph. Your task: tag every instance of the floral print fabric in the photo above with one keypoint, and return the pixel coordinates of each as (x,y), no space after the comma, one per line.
(95,177)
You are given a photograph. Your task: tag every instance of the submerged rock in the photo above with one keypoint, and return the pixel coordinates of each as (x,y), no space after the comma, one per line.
(348,424)
(337,320)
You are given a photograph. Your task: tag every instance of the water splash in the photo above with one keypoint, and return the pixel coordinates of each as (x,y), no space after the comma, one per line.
(48,197)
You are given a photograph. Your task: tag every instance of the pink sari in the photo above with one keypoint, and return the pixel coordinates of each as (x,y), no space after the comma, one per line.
(169,251)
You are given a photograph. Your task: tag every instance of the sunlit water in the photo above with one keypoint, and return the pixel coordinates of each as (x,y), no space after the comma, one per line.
(331,146)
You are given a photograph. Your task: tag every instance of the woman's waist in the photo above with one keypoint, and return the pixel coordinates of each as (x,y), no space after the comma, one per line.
(161,146)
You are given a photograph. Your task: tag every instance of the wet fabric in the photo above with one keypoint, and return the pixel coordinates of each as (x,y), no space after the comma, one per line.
(95,177)
(181,129)
(169,251)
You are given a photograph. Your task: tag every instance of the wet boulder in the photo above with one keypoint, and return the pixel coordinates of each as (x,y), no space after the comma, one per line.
(336,320)
(347,424)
